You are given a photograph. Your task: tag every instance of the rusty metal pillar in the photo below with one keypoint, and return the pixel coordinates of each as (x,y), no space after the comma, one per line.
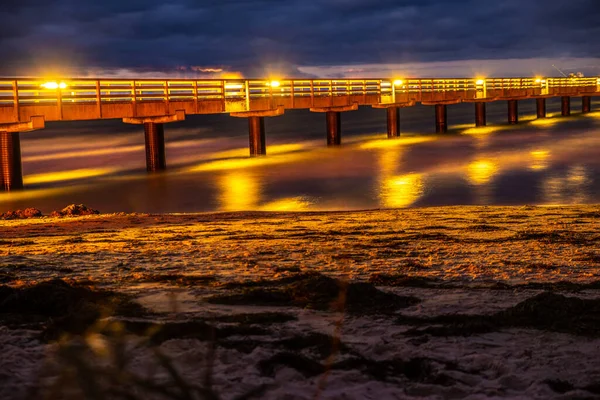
(334,128)
(11,174)
(480,118)
(155,147)
(256,127)
(441,121)
(393,122)
(513,112)
(565,106)
(586,104)
(541,108)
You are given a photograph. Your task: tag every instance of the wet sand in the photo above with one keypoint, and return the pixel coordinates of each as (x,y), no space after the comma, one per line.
(448,302)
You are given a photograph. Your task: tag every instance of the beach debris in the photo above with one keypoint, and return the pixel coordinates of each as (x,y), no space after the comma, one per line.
(22,214)
(58,307)
(74,210)
(319,292)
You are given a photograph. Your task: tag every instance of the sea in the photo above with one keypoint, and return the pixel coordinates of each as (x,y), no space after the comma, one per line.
(101,164)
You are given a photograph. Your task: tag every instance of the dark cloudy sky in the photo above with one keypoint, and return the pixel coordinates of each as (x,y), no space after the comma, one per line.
(258,35)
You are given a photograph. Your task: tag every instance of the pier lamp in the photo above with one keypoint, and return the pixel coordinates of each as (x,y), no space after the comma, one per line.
(398,82)
(54,85)
(274,84)
(480,88)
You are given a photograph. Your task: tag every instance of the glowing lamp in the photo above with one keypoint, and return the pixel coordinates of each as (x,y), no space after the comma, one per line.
(54,85)
(275,84)
(398,82)
(479,82)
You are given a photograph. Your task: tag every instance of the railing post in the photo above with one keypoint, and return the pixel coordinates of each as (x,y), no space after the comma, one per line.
(16,112)
(167,102)
(98,100)
(247,93)
(59,103)
(134,91)
(195,88)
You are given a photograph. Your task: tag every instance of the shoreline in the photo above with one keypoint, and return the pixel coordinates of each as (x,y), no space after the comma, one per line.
(434,302)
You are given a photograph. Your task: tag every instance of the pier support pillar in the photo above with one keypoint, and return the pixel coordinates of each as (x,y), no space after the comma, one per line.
(565,106)
(334,128)
(513,112)
(441,120)
(154,134)
(540,108)
(393,122)
(586,104)
(256,127)
(11,175)
(480,117)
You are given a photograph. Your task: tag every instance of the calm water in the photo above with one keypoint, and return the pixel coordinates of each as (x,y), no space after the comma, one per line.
(101,164)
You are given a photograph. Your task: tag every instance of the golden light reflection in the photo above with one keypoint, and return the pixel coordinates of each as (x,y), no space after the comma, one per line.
(402,190)
(82,153)
(482,130)
(66,175)
(247,162)
(480,172)
(540,159)
(389,143)
(544,122)
(595,114)
(239,191)
(288,204)
(569,188)
(272,151)
(29,194)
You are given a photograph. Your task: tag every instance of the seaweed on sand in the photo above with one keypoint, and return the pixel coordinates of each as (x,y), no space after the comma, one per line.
(319,292)
(545,311)
(58,306)
(415,369)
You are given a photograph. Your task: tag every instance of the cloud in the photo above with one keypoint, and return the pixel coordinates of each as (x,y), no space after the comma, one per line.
(258,36)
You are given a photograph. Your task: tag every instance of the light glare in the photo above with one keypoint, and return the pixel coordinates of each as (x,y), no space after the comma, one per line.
(54,85)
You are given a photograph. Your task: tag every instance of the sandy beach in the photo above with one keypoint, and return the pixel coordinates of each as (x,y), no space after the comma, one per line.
(448,302)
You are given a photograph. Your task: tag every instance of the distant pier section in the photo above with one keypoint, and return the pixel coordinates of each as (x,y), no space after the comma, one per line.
(27,103)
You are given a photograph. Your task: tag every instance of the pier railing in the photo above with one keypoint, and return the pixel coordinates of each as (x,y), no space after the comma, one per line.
(235,95)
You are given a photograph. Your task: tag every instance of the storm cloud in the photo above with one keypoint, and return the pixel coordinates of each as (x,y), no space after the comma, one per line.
(291,36)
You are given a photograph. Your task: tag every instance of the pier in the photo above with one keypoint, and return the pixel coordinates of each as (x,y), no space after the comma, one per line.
(27,103)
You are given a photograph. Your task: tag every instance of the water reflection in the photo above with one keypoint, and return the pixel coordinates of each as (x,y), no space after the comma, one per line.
(288,204)
(521,164)
(480,172)
(239,190)
(540,159)
(567,188)
(61,176)
(397,191)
